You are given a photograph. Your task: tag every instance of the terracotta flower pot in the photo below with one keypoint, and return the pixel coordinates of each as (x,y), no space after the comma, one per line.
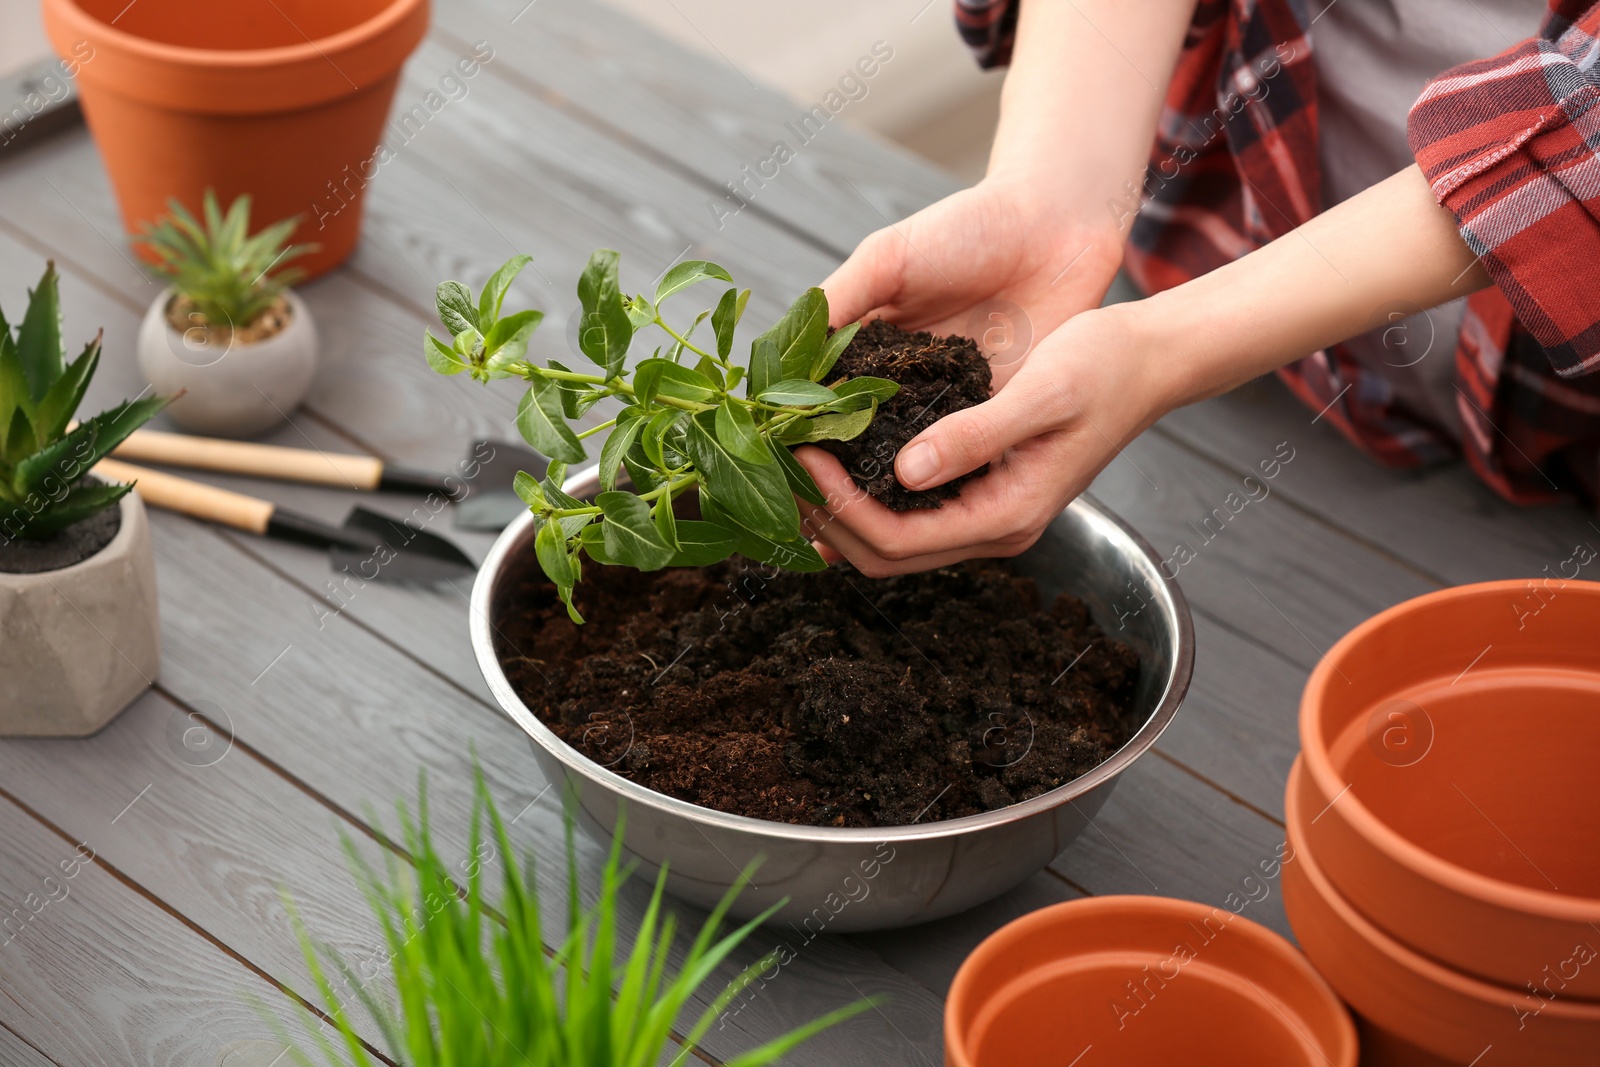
(281,99)
(1449,749)
(1142,980)
(1416,1012)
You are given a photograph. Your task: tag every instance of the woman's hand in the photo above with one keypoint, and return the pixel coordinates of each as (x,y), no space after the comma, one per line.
(991,263)
(1081,395)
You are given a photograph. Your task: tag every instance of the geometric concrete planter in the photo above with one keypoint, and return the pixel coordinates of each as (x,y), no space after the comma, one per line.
(78,644)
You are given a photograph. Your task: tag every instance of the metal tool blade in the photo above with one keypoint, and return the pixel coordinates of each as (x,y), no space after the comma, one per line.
(375,547)
(489,502)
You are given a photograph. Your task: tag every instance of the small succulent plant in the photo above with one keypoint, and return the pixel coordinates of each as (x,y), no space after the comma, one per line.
(219,270)
(476,985)
(693,418)
(43,457)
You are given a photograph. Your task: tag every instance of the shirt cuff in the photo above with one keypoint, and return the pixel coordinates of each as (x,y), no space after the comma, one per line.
(1511,146)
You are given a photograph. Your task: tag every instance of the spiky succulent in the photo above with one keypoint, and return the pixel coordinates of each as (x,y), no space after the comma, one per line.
(220,270)
(43,459)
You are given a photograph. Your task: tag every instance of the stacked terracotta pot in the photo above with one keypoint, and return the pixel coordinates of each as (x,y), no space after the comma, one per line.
(1445,821)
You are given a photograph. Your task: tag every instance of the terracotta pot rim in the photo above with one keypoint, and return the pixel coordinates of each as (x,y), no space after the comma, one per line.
(1413,857)
(1457,982)
(89,27)
(1000,942)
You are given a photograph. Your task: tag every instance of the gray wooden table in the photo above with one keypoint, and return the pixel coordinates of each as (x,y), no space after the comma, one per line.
(586,130)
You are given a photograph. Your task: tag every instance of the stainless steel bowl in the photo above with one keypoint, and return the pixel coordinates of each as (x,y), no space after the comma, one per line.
(850,879)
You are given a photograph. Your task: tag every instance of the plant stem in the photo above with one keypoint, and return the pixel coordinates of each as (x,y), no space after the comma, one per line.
(684,341)
(591,431)
(673,487)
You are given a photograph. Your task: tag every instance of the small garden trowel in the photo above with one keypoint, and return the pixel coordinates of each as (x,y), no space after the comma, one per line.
(369,545)
(489,502)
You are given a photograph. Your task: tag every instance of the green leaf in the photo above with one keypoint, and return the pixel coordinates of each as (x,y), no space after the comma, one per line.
(643,478)
(80,502)
(39,337)
(737,432)
(801,484)
(507,340)
(605,330)
(666,522)
(756,493)
(832,349)
(571,525)
(576,398)
(593,540)
(662,377)
(441,357)
(494,290)
(631,536)
(800,334)
(61,401)
(618,441)
(723,320)
(710,368)
(795,553)
(15,399)
(765,368)
(526,486)
(701,544)
(857,393)
(456,309)
(796,392)
(686,274)
(69,458)
(550,545)
(539,418)
(653,441)
(828,427)
(640,311)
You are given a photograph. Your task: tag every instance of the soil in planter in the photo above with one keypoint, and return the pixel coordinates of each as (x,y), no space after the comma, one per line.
(183,317)
(74,544)
(826,699)
(937,375)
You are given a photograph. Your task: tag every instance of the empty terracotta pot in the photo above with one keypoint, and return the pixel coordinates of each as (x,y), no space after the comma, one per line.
(1141,980)
(281,99)
(1449,749)
(1415,1011)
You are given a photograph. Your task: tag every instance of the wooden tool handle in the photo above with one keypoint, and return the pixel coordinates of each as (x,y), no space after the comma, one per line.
(168,491)
(261,461)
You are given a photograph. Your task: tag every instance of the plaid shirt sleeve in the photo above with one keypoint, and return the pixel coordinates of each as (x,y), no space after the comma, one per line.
(1511,146)
(988,27)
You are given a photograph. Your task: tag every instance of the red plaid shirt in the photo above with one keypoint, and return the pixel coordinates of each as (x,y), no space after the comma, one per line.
(1510,145)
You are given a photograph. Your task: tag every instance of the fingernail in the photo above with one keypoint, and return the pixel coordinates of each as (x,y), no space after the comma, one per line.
(918,464)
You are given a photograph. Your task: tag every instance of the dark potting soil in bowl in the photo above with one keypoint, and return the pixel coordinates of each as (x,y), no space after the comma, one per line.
(826,699)
(74,544)
(937,376)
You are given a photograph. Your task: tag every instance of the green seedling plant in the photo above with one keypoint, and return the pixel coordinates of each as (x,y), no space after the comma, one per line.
(218,269)
(476,986)
(691,418)
(44,455)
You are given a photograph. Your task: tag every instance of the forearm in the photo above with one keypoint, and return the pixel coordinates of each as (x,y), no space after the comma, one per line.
(1082,98)
(1330,279)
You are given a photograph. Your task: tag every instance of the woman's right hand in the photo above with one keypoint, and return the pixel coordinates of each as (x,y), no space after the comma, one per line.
(996,262)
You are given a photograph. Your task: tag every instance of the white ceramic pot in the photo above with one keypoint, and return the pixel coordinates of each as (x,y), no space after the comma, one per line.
(233,389)
(77,645)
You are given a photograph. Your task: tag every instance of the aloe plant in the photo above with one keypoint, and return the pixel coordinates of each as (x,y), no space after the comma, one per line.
(475,984)
(218,269)
(43,456)
(718,427)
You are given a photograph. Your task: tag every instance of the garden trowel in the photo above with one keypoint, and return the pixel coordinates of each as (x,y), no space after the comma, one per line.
(368,545)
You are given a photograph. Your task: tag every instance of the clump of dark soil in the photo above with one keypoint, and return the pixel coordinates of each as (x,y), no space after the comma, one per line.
(937,375)
(826,699)
(76,543)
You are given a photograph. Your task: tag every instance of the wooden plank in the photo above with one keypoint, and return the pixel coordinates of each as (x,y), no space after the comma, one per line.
(1442,522)
(274,673)
(93,973)
(699,117)
(15,1052)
